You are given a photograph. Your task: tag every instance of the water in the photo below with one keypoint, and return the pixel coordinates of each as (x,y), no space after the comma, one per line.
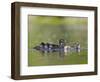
(51,29)
(38,58)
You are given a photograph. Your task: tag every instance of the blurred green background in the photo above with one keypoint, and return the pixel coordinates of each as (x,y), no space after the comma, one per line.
(51,29)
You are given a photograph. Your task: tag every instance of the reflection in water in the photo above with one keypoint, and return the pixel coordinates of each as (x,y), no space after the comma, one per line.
(61,52)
